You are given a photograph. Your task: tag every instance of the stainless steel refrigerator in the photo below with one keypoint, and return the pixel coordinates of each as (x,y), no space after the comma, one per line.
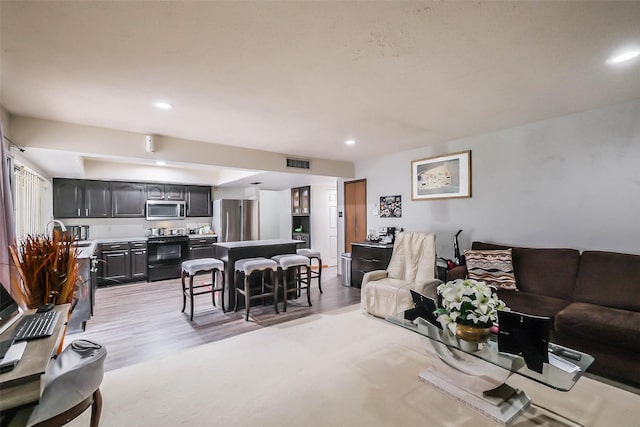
(236,220)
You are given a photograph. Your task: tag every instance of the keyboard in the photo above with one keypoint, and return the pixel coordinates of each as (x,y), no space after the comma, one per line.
(37,325)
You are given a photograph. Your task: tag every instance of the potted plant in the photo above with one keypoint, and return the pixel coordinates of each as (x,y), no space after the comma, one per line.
(48,268)
(469,308)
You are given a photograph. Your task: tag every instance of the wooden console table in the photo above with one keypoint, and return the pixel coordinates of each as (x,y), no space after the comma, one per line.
(24,384)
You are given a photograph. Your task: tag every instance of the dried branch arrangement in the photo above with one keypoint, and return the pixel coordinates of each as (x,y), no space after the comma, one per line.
(48,268)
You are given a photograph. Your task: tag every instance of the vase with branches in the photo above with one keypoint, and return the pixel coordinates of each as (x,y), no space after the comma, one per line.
(48,268)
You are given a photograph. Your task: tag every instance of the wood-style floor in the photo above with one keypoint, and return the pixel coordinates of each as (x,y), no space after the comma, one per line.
(142,321)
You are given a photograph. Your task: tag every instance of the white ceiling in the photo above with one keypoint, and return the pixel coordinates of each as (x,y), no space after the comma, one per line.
(301,77)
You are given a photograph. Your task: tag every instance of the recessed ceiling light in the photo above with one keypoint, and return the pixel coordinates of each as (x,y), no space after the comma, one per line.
(350,142)
(163,105)
(626,56)
(161,163)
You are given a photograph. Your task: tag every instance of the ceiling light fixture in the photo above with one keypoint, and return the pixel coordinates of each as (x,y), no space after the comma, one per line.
(161,163)
(163,105)
(350,142)
(623,57)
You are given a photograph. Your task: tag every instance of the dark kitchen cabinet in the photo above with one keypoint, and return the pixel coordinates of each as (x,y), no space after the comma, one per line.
(116,263)
(128,199)
(165,192)
(367,257)
(75,198)
(301,216)
(122,262)
(82,298)
(138,260)
(198,200)
(300,201)
(202,247)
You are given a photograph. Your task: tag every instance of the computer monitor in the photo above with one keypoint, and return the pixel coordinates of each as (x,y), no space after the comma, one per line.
(9,309)
(525,335)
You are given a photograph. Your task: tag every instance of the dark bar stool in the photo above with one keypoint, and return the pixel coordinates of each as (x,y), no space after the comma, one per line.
(313,255)
(203,265)
(246,267)
(289,261)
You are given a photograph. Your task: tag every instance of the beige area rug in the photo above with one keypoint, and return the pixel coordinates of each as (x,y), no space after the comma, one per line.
(342,368)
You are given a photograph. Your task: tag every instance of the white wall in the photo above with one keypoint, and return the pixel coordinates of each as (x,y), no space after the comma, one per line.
(270,212)
(572,181)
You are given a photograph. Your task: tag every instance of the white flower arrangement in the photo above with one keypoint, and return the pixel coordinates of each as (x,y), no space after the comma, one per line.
(468,302)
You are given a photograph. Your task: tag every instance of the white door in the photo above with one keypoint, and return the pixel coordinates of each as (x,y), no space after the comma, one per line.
(332,206)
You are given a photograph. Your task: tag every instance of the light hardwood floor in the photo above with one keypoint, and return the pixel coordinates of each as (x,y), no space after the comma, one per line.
(141,321)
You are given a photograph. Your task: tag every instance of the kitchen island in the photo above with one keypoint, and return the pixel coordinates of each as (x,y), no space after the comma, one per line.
(230,252)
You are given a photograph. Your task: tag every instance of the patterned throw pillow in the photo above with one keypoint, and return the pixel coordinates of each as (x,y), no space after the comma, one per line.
(493,267)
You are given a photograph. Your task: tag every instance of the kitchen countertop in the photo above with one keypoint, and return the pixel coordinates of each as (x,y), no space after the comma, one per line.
(250,243)
(374,244)
(86,248)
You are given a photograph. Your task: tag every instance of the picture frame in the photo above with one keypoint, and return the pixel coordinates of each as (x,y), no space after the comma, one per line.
(391,206)
(441,177)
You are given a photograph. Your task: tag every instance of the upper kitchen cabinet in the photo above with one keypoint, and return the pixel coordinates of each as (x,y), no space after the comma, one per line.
(128,199)
(198,201)
(300,200)
(73,198)
(165,192)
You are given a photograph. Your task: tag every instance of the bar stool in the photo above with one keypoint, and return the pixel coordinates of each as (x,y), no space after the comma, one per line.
(203,265)
(247,266)
(287,261)
(311,254)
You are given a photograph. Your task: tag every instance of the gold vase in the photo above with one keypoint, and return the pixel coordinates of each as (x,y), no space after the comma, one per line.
(473,334)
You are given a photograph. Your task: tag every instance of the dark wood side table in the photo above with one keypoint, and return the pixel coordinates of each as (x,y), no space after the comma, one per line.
(25,383)
(367,257)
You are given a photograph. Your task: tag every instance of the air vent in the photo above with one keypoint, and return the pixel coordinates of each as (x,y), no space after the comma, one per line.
(298,163)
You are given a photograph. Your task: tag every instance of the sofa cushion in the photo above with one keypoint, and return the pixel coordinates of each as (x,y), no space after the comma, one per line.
(549,272)
(526,302)
(618,328)
(493,267)
(609,279)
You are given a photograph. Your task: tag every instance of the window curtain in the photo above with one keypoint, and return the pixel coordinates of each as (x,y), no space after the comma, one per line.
(8,272)
(29,195)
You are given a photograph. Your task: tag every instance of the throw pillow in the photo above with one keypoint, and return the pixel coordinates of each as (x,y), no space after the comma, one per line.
(495,267)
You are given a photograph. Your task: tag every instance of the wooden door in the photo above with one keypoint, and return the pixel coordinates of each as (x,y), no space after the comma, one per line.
(355,212)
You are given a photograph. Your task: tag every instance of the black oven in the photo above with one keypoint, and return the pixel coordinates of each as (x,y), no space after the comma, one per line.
(165,256)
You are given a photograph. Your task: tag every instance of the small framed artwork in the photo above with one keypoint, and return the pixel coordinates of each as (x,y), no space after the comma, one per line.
(441,177)
(391,206)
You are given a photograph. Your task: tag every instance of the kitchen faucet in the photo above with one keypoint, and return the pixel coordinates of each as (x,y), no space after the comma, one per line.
(54,221)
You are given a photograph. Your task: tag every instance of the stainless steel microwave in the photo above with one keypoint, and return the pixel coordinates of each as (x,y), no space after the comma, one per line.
(160,209)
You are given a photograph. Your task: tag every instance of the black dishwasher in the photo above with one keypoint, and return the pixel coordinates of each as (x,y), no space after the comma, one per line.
(202,247)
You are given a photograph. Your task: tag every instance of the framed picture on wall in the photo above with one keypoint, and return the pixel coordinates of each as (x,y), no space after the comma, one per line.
(391,206)
(441,177)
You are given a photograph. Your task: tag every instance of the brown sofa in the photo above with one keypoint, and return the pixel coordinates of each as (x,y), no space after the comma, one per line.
(593,298)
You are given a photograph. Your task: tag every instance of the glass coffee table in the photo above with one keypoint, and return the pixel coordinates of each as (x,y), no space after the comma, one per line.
(477,378)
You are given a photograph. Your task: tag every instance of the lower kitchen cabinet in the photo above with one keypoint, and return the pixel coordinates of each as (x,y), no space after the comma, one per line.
(82,298)
(367,257)
(202,247)
(122,262)
(138,260)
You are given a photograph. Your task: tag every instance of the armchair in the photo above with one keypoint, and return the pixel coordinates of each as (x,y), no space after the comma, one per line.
(412,266)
